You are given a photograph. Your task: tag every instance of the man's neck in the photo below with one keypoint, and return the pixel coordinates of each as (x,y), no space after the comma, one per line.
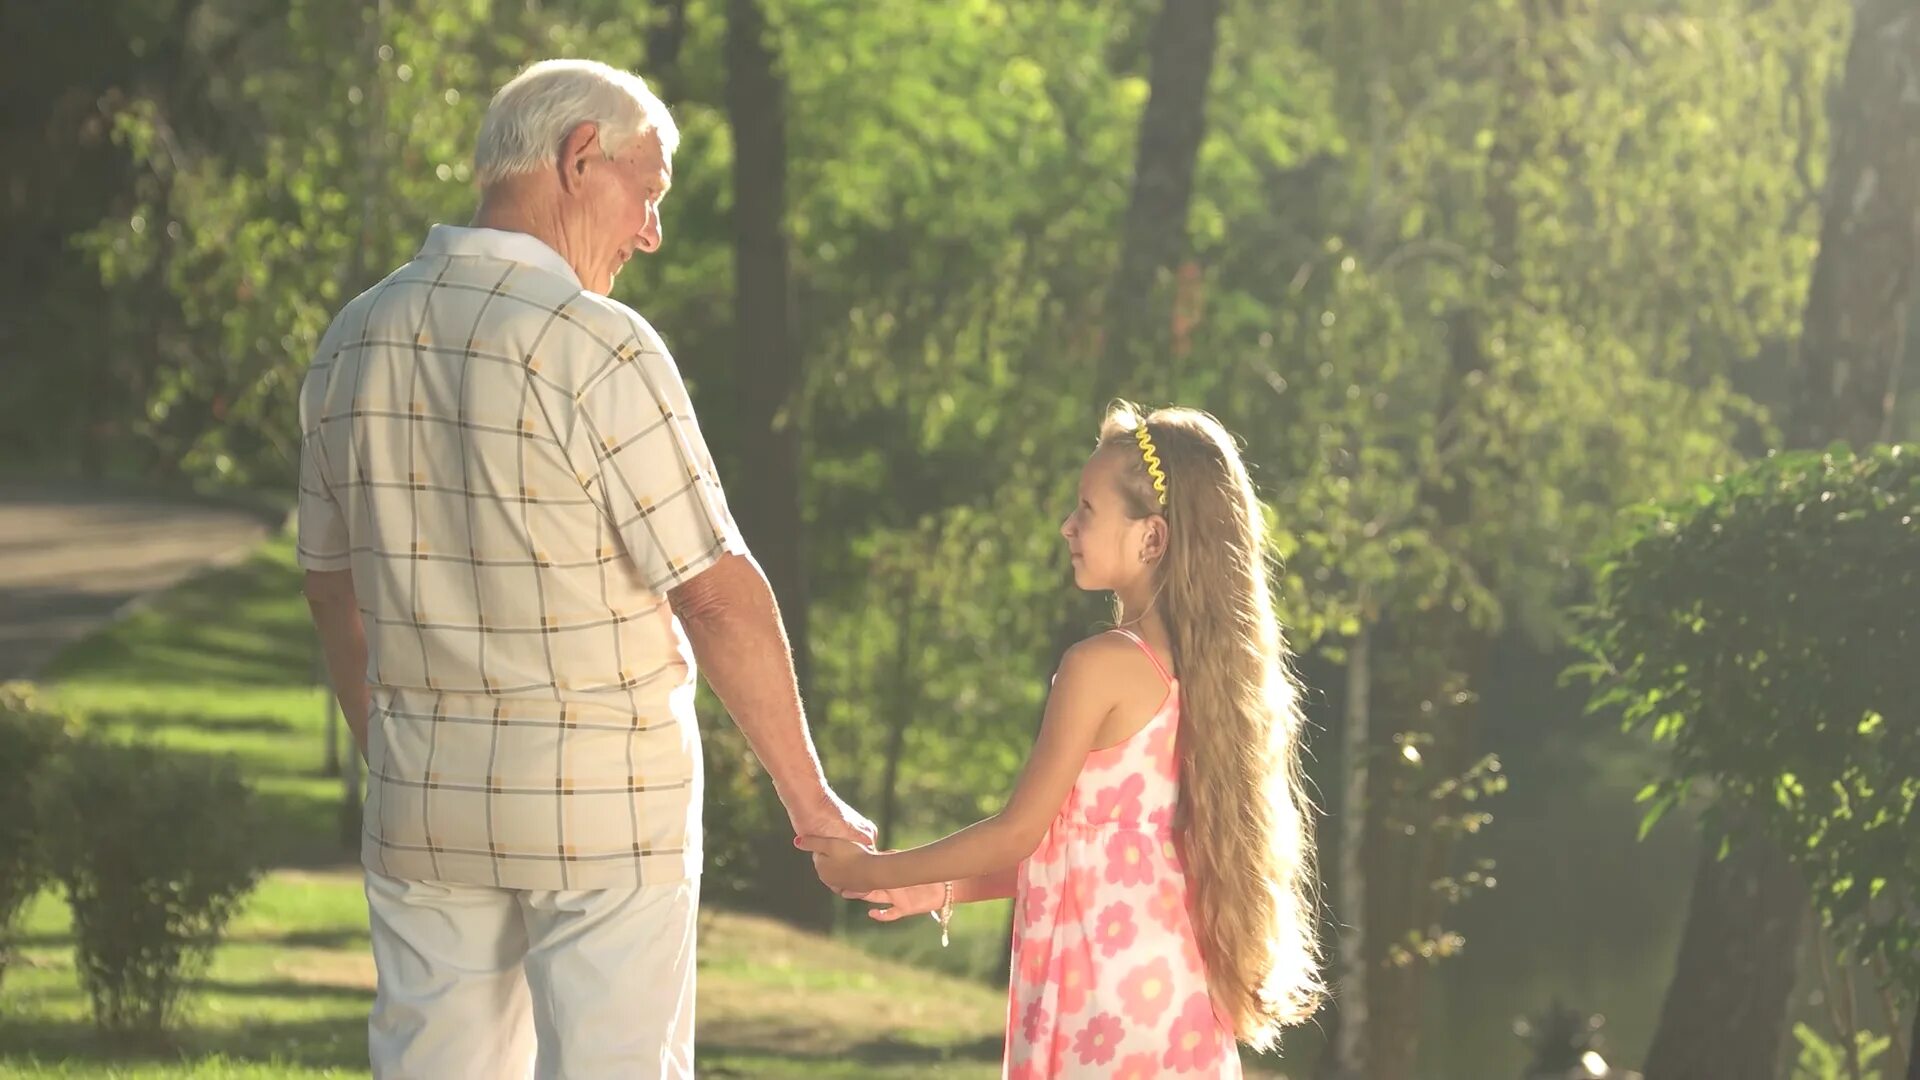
(509,214)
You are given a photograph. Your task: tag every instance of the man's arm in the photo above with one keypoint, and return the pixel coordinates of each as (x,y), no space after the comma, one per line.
(343,639)
(741,646)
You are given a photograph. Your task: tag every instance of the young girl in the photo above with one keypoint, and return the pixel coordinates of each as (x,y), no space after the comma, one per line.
(1157,842)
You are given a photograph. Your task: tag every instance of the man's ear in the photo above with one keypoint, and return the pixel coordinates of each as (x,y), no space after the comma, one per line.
(581,145)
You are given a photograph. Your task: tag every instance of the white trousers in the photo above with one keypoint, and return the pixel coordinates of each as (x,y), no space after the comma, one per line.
(478,982)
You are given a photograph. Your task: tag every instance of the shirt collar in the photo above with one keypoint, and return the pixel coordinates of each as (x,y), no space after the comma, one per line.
(498,244)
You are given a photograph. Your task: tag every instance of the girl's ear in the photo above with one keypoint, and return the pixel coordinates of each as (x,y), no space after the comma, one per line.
(1153,545)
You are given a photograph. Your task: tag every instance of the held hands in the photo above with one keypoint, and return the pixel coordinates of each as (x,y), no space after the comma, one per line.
(848,869)
(843,866)
(893,905)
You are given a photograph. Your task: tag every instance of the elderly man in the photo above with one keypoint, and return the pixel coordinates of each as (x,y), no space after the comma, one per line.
(516,548)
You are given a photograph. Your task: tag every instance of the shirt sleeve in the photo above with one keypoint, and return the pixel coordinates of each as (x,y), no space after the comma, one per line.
(655,478)
(321,530)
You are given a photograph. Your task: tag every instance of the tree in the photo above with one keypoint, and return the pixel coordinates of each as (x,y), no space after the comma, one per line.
(1746,921)
(1499,299)
(1153,236)
(1764,632)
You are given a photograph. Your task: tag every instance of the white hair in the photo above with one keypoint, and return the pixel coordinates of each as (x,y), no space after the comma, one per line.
(532,115)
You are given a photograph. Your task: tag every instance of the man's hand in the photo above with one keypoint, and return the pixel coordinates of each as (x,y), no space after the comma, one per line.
(843,866)
(827,816)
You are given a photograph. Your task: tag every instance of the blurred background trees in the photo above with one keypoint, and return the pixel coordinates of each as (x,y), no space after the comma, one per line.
(1468,279)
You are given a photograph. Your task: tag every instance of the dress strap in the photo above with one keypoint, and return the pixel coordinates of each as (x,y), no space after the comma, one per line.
(1145,648)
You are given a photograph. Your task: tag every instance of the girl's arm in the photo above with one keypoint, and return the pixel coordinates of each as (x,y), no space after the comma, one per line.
(999,885)
(896,904)
(1083,695)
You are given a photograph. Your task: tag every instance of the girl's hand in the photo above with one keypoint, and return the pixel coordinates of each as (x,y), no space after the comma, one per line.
(843,866)
(897,904)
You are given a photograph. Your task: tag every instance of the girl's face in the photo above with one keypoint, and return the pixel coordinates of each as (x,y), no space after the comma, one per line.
(1111,551)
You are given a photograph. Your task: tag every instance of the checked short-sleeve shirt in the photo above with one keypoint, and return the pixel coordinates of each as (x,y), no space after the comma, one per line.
(511,468)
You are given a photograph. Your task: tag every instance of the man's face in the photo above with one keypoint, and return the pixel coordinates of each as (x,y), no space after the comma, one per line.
(615,203)
(639,178)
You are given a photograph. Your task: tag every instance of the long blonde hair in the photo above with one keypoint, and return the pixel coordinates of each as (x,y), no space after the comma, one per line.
(1243,808)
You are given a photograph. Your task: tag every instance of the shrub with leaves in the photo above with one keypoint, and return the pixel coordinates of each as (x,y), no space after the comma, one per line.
(29,737)
(156,852)
(1769,632)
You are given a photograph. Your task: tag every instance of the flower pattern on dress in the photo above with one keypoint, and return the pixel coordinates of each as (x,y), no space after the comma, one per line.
(1196,1037)
(1030,1021)
(1036,901)
(1168,906)
(1115,929)
(1130,858)
(1120,803)
(1097,1041)
(1075,975)
(1146,991)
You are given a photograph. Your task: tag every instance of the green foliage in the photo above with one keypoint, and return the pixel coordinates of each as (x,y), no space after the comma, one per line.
(1822,1060)
(1765,630)
(1525,284)
(156,852)
(30,737)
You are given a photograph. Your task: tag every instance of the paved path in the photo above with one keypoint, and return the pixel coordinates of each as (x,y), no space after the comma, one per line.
(70,560)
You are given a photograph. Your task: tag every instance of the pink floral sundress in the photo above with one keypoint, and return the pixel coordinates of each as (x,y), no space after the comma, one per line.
(1107,977)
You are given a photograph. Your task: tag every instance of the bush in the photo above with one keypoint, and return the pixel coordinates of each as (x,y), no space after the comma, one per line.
(1766,632)
(29,737)
(156,852)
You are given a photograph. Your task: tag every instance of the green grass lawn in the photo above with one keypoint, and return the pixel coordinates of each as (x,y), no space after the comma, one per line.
(223,665)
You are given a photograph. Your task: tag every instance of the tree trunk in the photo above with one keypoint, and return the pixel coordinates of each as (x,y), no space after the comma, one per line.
(767,367)
(900,704)
(666,33)
(1854,332)
(1427,661)
(766,361)
(1139,313)
(1356,754)
(1726,1008)
(1913,1045)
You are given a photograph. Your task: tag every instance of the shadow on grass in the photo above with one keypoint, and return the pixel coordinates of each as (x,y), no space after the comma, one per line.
(290,989)
(876,1052)
(244,624)
(308,939)
(146,722)
(902,1051)
(331,1043)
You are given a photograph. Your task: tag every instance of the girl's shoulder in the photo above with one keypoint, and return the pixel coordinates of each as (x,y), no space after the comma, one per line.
(1110,654)
(1104,649)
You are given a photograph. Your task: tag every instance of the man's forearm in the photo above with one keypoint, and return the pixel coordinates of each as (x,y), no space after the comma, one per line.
(343,641)
(741,646)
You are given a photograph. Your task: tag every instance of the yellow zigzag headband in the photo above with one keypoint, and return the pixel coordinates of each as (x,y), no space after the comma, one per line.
(1152,458)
